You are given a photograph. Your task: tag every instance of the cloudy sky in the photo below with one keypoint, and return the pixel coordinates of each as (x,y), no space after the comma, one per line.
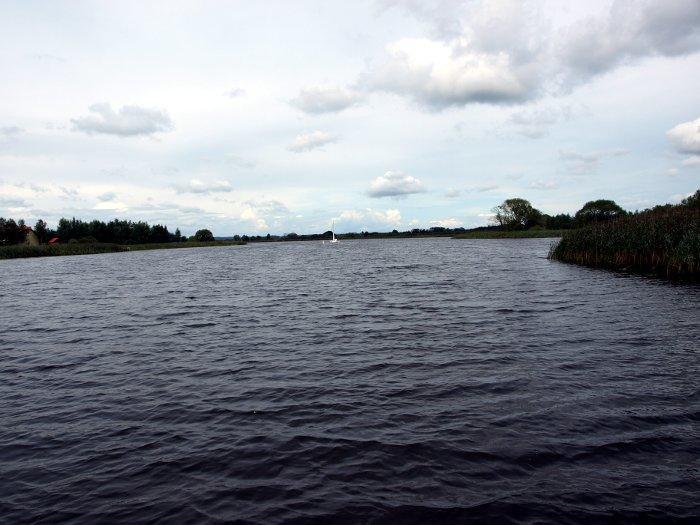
(257,117)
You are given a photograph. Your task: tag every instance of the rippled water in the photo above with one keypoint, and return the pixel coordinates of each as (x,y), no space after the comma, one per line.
(397,381)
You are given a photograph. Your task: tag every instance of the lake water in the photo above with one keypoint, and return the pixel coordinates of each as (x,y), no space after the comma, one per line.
(392,381)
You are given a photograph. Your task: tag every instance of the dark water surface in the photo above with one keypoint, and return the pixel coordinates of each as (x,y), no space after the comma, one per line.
(389,381)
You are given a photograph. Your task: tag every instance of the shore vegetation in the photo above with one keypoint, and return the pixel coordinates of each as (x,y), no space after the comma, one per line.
(664,240)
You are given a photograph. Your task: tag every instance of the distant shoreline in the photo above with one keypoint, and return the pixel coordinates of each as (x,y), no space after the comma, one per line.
(512,234)
(20,251)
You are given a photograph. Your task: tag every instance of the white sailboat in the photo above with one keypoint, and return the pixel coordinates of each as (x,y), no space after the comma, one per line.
(333,239)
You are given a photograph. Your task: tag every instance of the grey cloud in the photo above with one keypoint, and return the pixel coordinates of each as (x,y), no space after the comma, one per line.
(325,99)
(580,163)
(535,123)
(395,184)
(12,202)
(129,121)
(107,196)
(631,30)
(10,131)
(503,53)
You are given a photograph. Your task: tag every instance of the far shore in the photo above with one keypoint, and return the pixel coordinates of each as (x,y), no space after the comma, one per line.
(52,250)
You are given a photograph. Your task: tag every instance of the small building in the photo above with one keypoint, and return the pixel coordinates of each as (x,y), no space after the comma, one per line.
(53,240)
(30,237)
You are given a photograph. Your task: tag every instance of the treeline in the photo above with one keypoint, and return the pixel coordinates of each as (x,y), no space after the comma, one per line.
(664,240)
(519,214)
(116,231)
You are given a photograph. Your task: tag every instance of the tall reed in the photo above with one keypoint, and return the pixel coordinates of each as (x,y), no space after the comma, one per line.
(663,241)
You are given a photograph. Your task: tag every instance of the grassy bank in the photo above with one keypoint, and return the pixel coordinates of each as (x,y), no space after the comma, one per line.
(21,250)
(515,234)
(663,241)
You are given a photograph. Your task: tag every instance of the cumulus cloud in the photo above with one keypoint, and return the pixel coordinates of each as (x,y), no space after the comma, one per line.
(200,187)
(437,75)
(503,52)
(394,184)
(129,121)
(369,218)
(311,141)
(325,99)
(263,213)
(580,163)
(447,223)
(686,137)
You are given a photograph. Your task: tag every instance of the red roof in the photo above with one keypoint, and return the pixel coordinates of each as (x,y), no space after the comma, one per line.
(53,240)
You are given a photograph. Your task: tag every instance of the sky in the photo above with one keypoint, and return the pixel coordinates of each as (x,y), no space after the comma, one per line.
(277,117)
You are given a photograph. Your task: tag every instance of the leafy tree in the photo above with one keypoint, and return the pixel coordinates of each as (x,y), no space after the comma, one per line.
(10,232)
(178,235)
(693,201)
(41,230)
(516,214)
(599,210)
(562,221)
(203,236)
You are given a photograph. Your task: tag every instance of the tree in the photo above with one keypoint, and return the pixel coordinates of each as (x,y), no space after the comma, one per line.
(516,214)
(41,231)
(562,221)
(203,236)
(600,210)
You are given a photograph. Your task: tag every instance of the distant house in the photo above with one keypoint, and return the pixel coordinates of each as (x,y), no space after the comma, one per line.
(53,240)
(30,237)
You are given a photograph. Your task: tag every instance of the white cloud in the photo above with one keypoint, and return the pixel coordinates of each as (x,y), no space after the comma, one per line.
(686,137)
(452,193)
(325,99)
(447,223)
(127,122)
(438,74)
(580,163)
(691,161)
(311,141)
(369,219)
(507,51)
(201,187)
(235,92)
(394,184)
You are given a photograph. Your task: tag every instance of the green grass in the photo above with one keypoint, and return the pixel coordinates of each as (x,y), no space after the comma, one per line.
(45,250)
(665,241)
(515,234)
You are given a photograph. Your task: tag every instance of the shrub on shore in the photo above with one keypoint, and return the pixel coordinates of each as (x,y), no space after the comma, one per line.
(664,240)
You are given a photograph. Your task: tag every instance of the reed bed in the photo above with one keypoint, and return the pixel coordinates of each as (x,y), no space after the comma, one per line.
(663,241)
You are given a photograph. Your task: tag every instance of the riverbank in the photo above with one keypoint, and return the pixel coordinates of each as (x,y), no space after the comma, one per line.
(45,250)
(514,234)
(663,241)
